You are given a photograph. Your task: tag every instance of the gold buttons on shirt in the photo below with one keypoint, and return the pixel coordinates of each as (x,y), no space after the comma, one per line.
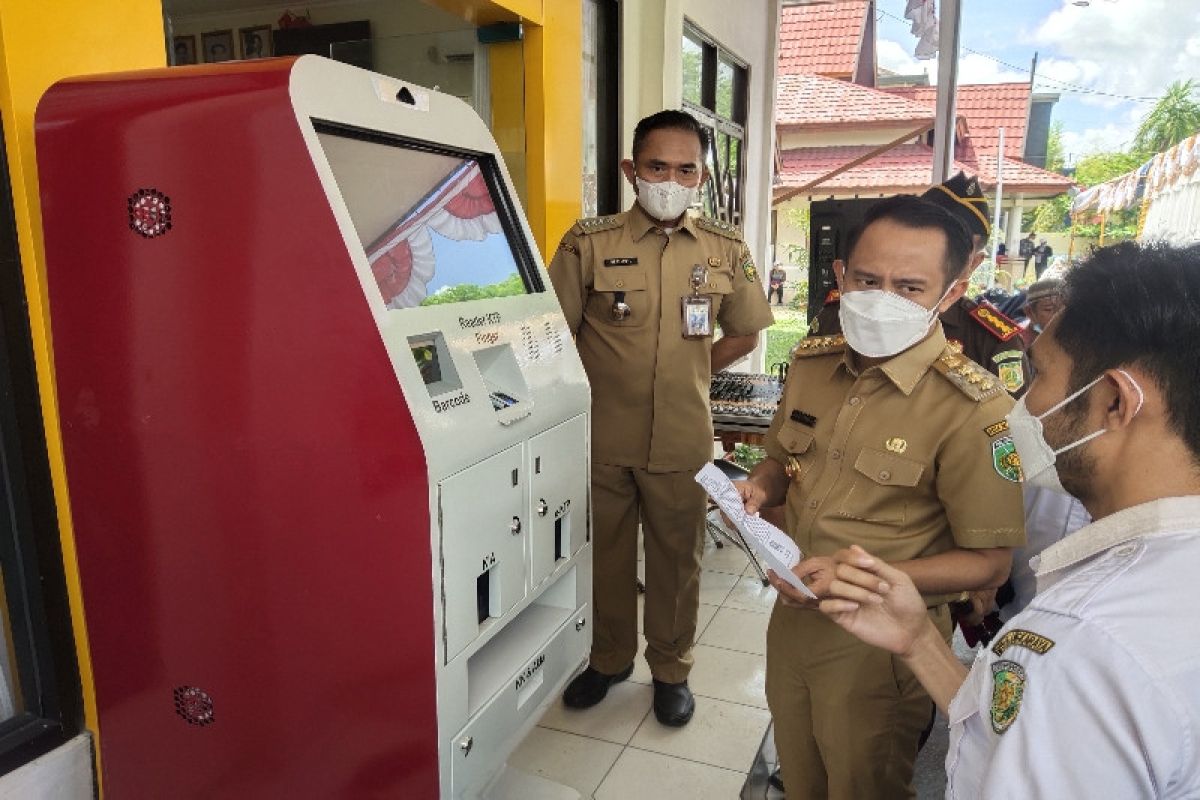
(855,401)
(884,475)
(835,454)
(812,503)
(620,284)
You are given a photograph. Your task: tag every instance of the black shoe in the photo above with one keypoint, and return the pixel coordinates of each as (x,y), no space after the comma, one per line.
(776,779)
(673,703)
(590,687)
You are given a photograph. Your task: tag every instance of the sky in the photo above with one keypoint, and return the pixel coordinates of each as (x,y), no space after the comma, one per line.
(1108,61)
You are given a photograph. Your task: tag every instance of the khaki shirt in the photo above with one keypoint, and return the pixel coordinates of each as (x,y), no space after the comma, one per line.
(650,385)
(908,459)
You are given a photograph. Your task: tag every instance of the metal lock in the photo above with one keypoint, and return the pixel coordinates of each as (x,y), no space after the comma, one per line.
(515,526)
(580,623)
(466,744)
(542,508)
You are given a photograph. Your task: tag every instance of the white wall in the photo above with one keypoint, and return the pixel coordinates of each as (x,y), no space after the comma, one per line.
(65,773)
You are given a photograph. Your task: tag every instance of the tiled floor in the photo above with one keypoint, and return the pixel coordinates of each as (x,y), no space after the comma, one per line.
(619,750)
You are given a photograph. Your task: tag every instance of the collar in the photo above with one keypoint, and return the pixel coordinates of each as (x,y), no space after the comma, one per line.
(640,223)
(1156,518)
(906,369)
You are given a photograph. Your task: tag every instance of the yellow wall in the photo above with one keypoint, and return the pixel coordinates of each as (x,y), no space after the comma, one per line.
(39,44)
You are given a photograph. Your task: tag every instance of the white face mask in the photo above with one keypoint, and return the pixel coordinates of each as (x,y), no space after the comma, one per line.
(879,324)
(665,201)
(1037,456)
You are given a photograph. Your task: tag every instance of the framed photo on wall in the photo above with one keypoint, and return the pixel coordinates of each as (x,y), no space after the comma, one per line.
(218,46)
(256,41)
(183,50)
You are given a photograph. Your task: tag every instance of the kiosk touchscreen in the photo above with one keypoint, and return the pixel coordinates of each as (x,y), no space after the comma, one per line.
(325,433)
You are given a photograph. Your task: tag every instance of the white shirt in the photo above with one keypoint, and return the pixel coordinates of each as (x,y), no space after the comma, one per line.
(1049,516)
(1110,706)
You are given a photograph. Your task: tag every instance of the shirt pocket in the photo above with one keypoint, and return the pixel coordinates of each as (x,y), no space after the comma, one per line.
(882,487)
(718,286)
(608,284)
(796,439)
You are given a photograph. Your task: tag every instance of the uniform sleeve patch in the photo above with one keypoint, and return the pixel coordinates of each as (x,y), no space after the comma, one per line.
(1008,689)
(1022,638)
(996,428)
(1007,355)
(1006,460)
(1012,375)
(567,247)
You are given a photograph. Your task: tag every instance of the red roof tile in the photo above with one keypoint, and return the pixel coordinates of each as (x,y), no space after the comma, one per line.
(987,107)
(906,168)
(811,100)
(821,38)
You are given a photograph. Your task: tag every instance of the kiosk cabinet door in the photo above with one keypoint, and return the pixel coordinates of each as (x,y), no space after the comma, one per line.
(558,460)
(484,527)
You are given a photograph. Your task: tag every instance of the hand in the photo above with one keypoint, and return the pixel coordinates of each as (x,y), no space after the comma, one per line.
(983,602)
(816,572)
(874,601)
(753,496)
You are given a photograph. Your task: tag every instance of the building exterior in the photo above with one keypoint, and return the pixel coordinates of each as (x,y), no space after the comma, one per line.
(841,136)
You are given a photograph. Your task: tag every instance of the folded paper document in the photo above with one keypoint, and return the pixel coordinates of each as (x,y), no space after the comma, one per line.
(769,543)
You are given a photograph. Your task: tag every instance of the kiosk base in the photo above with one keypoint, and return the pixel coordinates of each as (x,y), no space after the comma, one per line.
(516,784)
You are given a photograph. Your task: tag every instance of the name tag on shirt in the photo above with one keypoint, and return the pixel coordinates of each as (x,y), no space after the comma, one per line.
(620,262)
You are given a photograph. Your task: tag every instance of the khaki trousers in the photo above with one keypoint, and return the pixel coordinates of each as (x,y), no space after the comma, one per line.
(670,506)
(848,716)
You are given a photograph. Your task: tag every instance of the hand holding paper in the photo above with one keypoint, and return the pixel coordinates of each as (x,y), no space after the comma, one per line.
(768,542)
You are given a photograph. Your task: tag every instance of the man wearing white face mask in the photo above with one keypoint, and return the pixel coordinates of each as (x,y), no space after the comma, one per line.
(1094,689)
(888,436)
(643,292)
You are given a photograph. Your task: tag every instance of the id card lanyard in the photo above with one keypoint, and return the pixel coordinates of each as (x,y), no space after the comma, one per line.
(696,307)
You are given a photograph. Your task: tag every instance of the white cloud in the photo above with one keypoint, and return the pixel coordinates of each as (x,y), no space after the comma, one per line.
(1124,47)
(972,67)
(1096,140)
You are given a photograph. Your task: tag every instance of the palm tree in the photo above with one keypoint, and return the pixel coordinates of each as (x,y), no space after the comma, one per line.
(1174,118)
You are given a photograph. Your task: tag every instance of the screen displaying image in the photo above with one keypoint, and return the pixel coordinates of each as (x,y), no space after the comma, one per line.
(427,220)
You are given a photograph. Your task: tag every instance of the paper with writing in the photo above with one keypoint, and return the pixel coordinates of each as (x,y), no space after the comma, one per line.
(768,542)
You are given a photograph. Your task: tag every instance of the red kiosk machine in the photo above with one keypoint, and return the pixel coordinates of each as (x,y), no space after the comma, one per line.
(325,430)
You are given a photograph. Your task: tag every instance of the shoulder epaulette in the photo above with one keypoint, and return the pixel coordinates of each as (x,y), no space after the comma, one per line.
(967,376)
(994,321)
(834,296)
(818,346)
(597,224)
(718,227)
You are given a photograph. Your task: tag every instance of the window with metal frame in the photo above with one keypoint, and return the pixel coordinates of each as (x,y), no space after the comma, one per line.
(714,92)
(40,695)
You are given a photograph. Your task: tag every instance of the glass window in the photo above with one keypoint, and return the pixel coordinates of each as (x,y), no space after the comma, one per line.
(714,92)
(693,69)
(428,222)
(725,71)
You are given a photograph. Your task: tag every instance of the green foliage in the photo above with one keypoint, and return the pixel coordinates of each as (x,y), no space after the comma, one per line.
(790,327)
(1054,148)
(512,285)
(1174,118)
(800,220)
(1101,167)
(747,456)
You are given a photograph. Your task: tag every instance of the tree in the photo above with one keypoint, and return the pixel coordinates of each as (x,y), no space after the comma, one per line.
(1174,118)
(1054,148)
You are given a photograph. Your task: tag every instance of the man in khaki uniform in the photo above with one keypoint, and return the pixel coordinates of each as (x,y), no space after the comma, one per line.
(628,285)
(976,327)
(898,444)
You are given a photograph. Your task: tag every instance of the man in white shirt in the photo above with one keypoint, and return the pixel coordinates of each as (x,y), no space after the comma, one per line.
(1094,689)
